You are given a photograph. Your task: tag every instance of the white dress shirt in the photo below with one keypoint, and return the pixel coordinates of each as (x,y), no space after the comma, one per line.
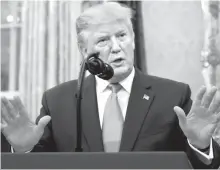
(123,94)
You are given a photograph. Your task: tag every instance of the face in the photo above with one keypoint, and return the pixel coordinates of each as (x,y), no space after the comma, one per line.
(115,43)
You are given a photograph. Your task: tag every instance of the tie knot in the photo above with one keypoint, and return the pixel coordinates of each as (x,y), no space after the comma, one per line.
(115,87)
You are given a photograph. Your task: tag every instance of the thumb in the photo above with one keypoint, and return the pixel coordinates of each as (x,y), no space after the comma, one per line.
(181,116)
(43,122)
(2,126)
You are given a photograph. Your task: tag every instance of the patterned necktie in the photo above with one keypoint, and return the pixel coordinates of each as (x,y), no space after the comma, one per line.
(112,121)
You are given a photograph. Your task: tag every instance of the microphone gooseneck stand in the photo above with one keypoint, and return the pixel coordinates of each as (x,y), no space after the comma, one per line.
(96,67)
(78,107)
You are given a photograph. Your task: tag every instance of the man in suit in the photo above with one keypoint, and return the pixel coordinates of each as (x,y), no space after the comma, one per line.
(129,112)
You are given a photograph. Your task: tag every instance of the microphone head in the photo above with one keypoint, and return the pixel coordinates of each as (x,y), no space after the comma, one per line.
(97,67)
(94,64)
(108,72)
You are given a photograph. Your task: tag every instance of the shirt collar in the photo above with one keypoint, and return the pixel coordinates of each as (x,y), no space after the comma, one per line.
(126,83)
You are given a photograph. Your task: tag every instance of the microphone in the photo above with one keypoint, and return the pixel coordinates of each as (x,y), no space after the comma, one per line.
(97,67)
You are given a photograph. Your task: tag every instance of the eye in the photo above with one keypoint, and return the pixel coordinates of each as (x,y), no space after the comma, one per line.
(102,42)
(122,35)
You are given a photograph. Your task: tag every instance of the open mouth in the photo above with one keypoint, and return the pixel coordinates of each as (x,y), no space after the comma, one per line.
(117,60)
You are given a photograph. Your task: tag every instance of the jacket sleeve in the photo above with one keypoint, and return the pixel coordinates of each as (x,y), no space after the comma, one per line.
(5,146)
(46,143)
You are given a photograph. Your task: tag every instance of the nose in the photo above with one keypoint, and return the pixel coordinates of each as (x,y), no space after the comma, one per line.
(115,45)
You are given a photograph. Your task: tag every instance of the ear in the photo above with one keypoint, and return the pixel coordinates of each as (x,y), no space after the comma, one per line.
(133,44)
(83,51)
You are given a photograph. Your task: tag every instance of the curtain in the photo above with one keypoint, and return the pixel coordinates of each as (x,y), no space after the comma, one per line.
(48,49)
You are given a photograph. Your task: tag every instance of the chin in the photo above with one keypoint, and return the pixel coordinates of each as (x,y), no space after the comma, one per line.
(120,74)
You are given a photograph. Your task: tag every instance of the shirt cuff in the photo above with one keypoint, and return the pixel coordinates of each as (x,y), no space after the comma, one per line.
(206,159)
(12,150)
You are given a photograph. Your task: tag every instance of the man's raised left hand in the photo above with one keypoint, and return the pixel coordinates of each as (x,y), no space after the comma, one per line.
(200,123)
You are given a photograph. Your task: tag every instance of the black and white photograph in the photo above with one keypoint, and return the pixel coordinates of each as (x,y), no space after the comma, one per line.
(110,84)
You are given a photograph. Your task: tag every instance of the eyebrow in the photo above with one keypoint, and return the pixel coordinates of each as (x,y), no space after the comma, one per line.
(101,35)
(121,31)
(106,35)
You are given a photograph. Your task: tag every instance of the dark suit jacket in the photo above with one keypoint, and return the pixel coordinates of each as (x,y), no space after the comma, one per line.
(150,125)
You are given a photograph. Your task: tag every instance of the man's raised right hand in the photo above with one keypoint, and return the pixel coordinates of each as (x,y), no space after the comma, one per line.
(22,133)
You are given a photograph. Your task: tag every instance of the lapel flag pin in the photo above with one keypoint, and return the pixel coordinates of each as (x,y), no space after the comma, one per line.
(146,97)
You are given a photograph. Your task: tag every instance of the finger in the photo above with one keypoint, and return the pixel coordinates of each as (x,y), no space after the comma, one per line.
(3,122)
(43,122)
(4,114)
(19,105)
(215,106)
(10,108)
(208,97)
(199,95)
(181,116)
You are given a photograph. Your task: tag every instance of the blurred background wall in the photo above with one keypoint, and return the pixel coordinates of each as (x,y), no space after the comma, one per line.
(39,48)
(174,38)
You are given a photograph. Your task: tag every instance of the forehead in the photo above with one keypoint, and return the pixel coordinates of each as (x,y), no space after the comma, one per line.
(108,29)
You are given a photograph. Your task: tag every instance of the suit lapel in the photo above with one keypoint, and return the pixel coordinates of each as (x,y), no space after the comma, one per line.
(138,106)
(90,117)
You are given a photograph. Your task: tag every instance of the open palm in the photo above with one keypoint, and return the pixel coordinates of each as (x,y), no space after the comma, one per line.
(200,123)
(19,130)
